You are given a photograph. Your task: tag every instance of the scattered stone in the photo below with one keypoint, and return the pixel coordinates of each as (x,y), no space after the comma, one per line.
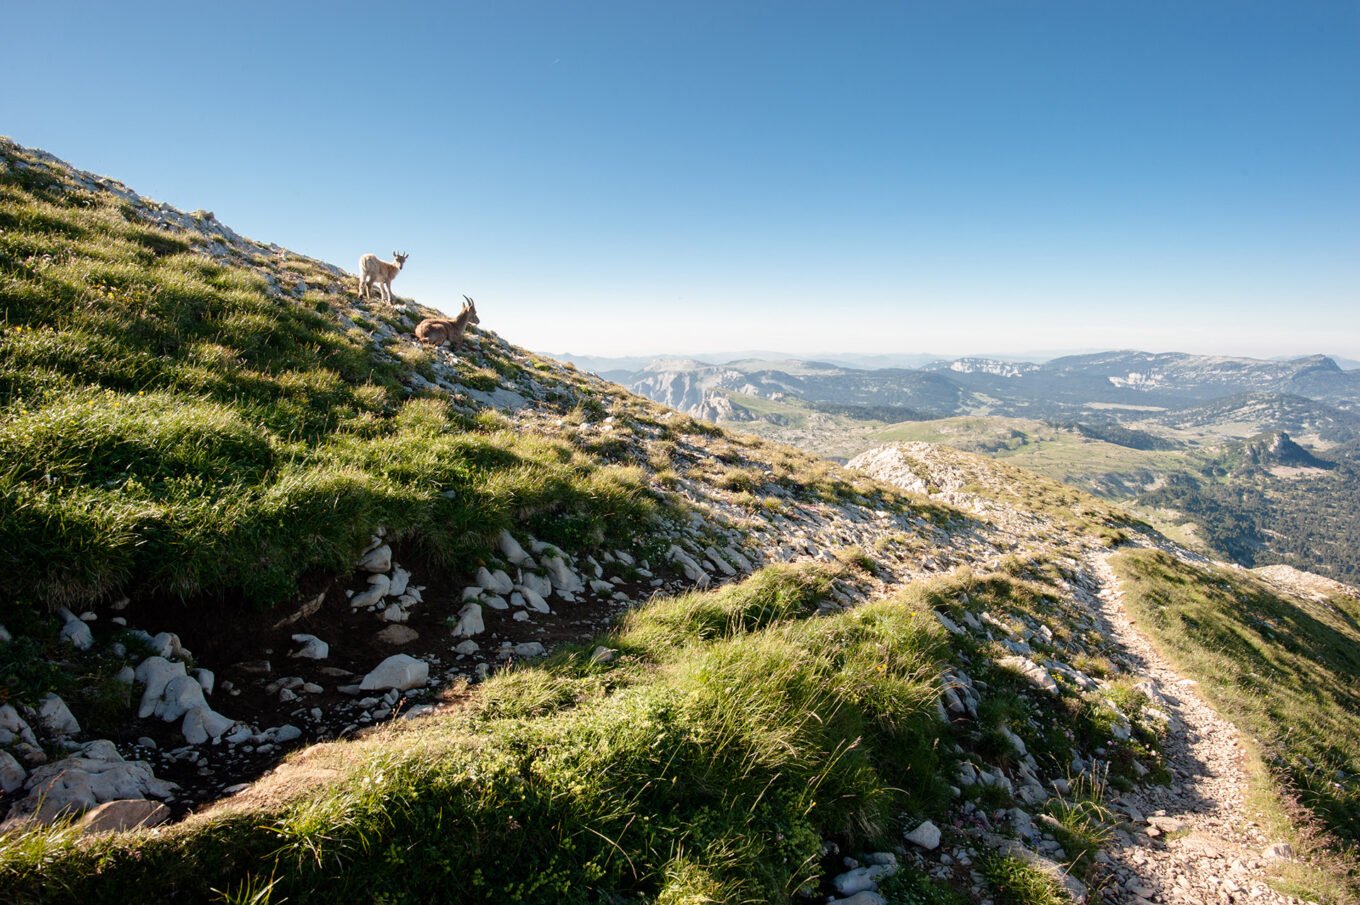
(534,600)
(1279,851)
(927,836)
(378,586)
(155,673)
(513,552)
(313,648)
(75,632)
(56,717)
(530,649)
(399,580)
(379,559)
(469,621)
(399,671)
(12,773)
(1031,671)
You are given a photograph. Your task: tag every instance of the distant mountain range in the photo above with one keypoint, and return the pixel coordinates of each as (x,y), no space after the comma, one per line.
(1064,387)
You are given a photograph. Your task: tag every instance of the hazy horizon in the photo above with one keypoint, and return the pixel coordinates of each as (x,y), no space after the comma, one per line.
(723,356)
(613,176)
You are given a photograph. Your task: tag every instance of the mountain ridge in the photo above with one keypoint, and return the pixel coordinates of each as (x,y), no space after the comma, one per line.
(644,658)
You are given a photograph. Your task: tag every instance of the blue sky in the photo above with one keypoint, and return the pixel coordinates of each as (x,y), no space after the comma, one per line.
(643,177)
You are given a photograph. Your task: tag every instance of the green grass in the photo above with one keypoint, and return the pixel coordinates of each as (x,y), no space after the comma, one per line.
(1283,669)
(171,425)
(706,763)
(1017,883)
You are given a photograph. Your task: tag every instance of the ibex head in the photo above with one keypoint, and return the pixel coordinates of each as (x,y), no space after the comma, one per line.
(400,257)
(471,308)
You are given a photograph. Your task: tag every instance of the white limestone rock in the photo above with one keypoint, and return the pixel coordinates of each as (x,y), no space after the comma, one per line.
(400,578)
(469,621)
(563,579)
(313,648)
(12,773)
(1034,673)
(378,586)
(379,559)
(182,694)
(399,671)
(56,717)
(76,784)
(202,724)
(864,897)
(927,836)
(75,632)
(513,552)
(533,600)
(861,879)
(207,680)
(496,582)
(155,673)
(13,728)
(530,649)
(539,584)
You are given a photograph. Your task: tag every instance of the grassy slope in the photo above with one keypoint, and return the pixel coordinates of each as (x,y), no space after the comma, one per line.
(732,733)
(174,424)
(1284,669)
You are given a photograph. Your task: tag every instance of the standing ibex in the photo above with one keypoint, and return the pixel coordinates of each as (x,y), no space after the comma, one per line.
(375,271)
(439,330)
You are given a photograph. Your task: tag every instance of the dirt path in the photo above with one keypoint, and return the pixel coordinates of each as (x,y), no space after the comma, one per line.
(1192,841)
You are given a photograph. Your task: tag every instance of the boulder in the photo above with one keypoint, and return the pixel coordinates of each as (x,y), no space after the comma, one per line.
(561,576)
(124,814)
(530,649)
(75,632)
(496,582)
(1279,851)
(156,673)
(865,897)
(399,580)
(76,784)
(379,559)
(539,584)
(12,773)
(533,600)
(927,836)
(469,621)
(56,717)
(861,879)
(203,723)
(399,671)
(313,648)
(182,694)
(512,551)
(13,728)
(378,586)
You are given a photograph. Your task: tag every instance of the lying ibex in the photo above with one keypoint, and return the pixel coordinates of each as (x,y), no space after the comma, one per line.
(375,271)
(439,330)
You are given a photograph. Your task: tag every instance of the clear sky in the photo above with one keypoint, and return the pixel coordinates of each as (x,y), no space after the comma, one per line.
(638,177)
